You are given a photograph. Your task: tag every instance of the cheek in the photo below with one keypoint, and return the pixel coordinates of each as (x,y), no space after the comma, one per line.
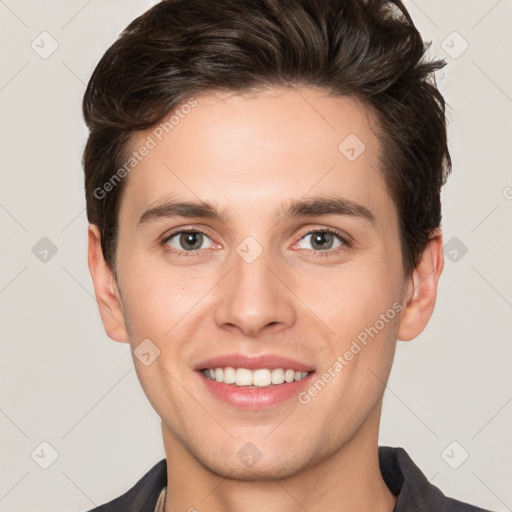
(351,298)
(158,296)
(361,310)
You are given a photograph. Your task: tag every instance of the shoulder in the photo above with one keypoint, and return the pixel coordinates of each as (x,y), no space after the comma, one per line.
(414,492)
(143,496)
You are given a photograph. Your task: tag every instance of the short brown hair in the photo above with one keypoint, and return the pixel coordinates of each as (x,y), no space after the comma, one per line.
(367,49)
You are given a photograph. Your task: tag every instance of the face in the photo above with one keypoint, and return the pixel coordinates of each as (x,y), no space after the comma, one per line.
(297,256)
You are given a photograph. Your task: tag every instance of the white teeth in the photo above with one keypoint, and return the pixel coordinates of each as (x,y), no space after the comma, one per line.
(229,375)
(289,375)
(243,377)
(261,377)
(277,376)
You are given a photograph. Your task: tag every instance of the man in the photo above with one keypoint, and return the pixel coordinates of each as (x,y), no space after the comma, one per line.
(263,189)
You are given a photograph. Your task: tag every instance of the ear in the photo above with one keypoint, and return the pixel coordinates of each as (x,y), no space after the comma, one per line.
(105,289)
(422,289)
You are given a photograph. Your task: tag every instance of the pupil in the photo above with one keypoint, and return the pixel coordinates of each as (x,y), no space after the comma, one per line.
(318,240)
(193,239)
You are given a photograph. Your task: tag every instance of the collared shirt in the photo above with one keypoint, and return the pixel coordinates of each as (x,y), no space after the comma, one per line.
(404,479)
(160,504)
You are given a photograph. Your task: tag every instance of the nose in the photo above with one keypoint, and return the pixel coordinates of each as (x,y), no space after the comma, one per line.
(254,297)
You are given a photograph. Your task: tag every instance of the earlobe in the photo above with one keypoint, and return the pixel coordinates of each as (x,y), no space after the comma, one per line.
(421,293)
(105,289)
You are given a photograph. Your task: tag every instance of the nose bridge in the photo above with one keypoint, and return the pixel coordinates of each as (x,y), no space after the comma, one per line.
(253,297)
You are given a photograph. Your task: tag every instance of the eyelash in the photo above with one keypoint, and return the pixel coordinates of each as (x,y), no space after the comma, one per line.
(317,254)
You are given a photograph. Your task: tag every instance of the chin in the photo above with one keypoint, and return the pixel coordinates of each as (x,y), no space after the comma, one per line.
(240,466)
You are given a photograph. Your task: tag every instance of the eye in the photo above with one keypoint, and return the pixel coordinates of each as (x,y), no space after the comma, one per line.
(188,240)
(323,240)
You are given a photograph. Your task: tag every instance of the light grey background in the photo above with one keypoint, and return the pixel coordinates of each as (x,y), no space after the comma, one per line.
(64,382)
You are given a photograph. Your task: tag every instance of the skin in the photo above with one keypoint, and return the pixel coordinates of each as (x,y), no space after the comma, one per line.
(248,155)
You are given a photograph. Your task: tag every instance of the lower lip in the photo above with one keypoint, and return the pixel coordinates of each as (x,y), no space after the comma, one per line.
(255,398)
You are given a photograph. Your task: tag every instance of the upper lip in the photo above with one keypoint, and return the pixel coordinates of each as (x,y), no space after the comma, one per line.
(252,362)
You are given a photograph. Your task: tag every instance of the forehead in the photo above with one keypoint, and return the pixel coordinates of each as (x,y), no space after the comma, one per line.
(248,151)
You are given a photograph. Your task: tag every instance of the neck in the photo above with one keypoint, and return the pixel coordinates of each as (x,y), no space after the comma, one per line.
(348,479)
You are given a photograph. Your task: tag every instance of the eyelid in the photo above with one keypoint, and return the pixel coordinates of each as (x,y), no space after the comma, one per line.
(184,229)
(319,229)
(345,239)
(181,230)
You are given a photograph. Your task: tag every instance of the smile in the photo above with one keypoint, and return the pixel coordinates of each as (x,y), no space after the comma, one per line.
(254,390)
(262,377)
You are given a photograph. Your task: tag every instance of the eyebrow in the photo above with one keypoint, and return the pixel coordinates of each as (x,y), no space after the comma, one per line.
(312,207)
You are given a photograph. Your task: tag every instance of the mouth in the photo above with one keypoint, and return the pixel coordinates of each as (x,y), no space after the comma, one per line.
(259,378)
(254,389)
